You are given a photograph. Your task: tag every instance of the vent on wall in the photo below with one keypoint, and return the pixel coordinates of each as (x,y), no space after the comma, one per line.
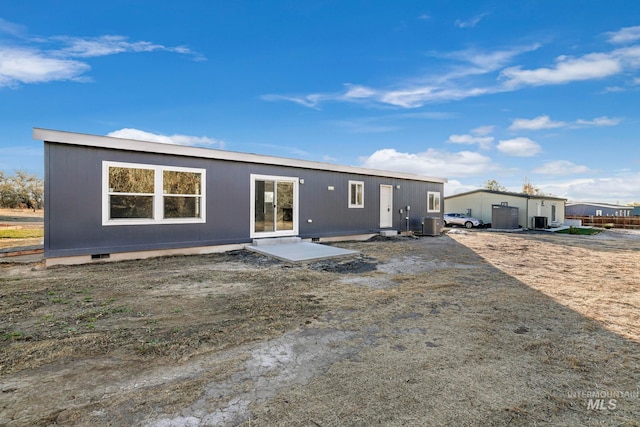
(99,256)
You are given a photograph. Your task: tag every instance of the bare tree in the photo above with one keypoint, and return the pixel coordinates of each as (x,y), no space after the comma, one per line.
(530,189)
(494,185)
(21,190)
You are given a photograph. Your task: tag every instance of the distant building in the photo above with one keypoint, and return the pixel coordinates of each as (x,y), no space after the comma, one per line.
(479,204)
(597,209)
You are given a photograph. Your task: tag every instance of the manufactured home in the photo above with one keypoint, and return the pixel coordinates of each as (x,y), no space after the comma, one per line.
(110,198)
(598,209)
(534,211)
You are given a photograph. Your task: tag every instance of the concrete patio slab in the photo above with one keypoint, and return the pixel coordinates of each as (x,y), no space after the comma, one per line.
(302,251)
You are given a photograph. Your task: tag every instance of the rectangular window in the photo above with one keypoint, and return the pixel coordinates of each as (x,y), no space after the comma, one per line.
(130,193)
(151,194)
(356,194)
(433,201)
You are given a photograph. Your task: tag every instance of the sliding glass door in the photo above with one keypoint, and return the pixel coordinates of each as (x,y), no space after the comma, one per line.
(274,206)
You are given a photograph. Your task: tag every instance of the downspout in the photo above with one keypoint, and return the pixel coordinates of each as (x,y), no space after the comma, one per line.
(527,213)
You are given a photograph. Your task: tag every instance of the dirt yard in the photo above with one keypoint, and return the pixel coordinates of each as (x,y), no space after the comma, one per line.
(20,219)
(471,328)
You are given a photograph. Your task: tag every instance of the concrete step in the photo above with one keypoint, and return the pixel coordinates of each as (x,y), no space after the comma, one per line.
(276,241)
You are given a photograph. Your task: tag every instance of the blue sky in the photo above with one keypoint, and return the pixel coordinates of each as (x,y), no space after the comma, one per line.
(469,91)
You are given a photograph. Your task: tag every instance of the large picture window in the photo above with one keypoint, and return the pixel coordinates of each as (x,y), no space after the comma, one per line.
(356,194)
(150,194)
(433,201)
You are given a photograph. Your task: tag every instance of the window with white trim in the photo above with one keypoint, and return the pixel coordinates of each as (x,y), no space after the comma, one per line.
(151,194)
(433,201)
(356,194)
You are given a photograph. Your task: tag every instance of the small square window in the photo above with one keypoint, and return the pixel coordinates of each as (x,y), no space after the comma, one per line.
(356,194)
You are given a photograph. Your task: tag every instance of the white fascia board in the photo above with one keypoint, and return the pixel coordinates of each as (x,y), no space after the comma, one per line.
(73,138)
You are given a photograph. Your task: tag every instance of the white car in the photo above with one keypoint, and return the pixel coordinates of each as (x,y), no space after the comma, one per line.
(462,220)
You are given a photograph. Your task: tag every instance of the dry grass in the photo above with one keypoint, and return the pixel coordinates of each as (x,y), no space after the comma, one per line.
(468,329)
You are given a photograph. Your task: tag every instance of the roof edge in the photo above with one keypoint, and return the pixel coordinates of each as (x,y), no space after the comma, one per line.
(507,193)
(73,138)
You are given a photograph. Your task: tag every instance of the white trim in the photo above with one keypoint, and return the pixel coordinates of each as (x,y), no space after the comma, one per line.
(435,193)
(207,153)
(252,194)
(158,195)
(356,205)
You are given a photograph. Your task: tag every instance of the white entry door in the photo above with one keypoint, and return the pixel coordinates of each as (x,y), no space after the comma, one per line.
(386,206)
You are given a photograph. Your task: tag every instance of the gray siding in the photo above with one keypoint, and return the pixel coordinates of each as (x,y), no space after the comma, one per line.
(73,214)
(590,210)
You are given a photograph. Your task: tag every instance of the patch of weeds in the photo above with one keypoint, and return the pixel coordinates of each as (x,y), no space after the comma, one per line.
(177,310)
(91,325)
(176,330)
(22,233)
(70,330)
(121,310)
(151,321)
(15,335)
(579,231)
(60,300)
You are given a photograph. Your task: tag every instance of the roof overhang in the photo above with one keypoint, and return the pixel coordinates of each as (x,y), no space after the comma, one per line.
(113,143)
(507,193)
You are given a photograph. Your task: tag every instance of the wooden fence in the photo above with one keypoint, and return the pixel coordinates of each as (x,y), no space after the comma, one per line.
(630,222)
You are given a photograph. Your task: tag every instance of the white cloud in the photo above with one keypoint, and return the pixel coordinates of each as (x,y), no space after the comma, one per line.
(561,167)
(482,141)
(482,130)
(424,17)
(359,92)
(457,82)
(545,122)
(418,96)
(427,89)
(26,62)
(567,69)
(470,23)
(599,121)
(540,122)
(606,190)
(519,147)
(624,35)
(28,66)
(478,62)
(310,101)
(109,45)
(431,162)
(10,28)
(176,139)
(613,89)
